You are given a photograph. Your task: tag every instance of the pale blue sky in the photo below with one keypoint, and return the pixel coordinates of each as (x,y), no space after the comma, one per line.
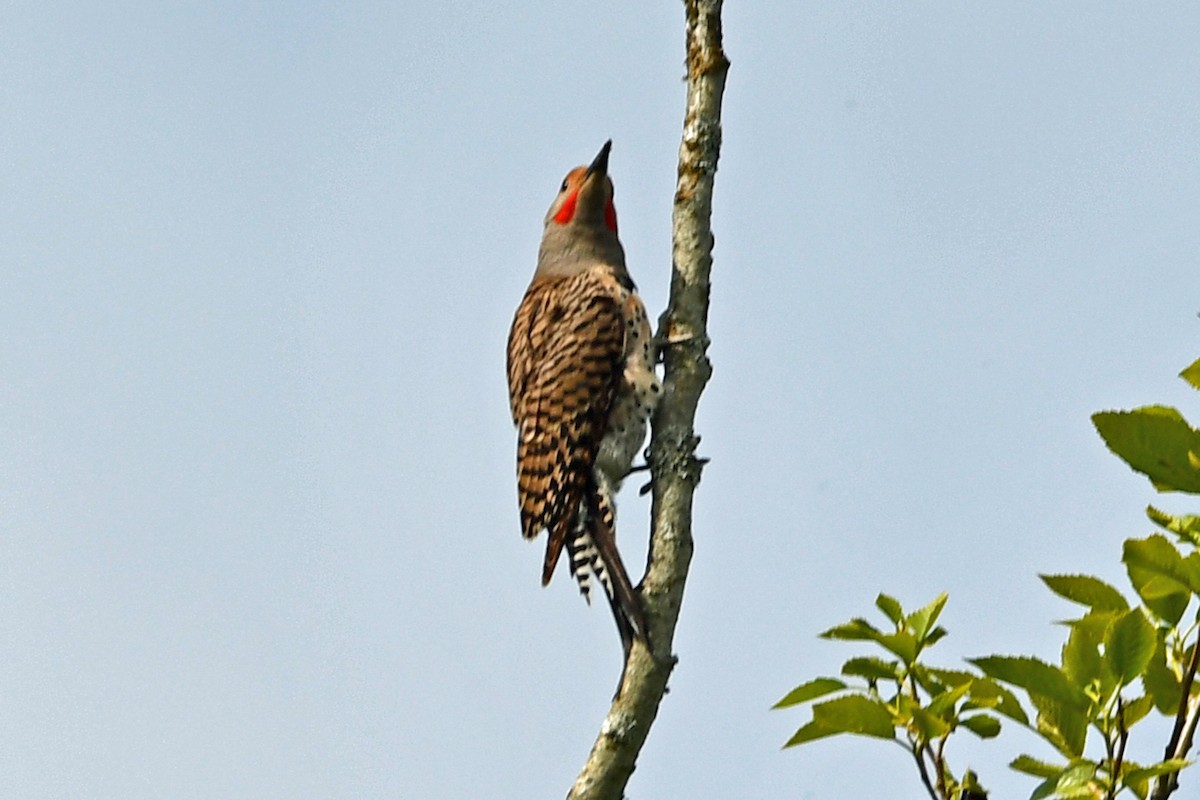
(258,532)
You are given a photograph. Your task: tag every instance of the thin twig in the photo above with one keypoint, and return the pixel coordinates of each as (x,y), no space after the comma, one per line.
(1122,740)
(939,763)
(918,755)
(923,751)
(1109,746)
(1185,720)
(1185,744)
(1185,695)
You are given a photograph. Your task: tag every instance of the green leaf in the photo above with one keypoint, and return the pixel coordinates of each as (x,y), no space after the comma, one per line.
(1074,781)
(891,607)
(985,726)
(1044,789)
(1157,555)
(1163,596)
(1034,676)
(949,677)
(1086,590)
(872,668)
(1095,622)
(1129,645)
(1133,780)
(902,708)
(818,687)
(934,636)
(1161,768)
(986,693)
(971,788)
(1160,680)
(922,620)
(1137,778)
(857,629)
(928,680)
(1039,769)
(943,704)
(810,733)
(1156,441)
(1191,373)
(902,643)
(935,681)
(1162,577)
(1187,527)
(856,714)
(851,714)
(1081,659)
(1061,725)
(1076,777)
(1137,709)
(930,725)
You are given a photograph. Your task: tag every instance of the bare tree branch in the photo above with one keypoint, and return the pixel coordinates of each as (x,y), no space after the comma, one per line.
(676,470)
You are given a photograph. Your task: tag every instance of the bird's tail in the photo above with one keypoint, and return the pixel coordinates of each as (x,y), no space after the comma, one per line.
(593,551)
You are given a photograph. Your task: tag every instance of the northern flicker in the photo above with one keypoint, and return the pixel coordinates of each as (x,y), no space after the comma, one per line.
(581,386)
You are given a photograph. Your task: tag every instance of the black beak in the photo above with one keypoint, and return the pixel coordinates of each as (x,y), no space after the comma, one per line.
(600,162)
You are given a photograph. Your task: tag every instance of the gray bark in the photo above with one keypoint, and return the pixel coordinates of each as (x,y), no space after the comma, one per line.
(675,470)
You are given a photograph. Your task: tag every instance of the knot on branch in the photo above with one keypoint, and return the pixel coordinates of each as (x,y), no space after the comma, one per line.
(682,341)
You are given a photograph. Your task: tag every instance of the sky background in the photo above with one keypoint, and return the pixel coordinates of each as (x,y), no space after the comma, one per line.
(258,526)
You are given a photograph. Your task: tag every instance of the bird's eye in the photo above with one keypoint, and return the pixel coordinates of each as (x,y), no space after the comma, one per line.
(563,188)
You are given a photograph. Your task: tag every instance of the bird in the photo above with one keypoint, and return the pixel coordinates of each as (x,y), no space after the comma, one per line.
(582,388)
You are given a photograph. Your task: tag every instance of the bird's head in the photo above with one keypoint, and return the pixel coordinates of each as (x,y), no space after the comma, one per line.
(586,196)
(581,224)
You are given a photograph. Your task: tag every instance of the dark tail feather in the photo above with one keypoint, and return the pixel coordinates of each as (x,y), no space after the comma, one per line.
(554,547)
(624,601)
(587,562)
